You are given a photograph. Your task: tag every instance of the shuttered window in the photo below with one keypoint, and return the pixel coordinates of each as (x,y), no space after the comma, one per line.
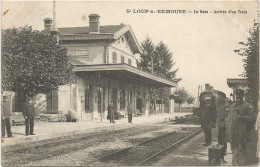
(122,59)
(114,57)
(52,101)
(129,62)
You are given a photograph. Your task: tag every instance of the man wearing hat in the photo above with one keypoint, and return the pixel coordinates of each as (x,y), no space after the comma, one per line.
(29,113)
(239,117)
(5,116)
(111,112)
(221,119)
(208,118)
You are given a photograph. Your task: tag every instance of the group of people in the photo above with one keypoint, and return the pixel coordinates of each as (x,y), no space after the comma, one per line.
(234,122)
(112,110)
(28,114)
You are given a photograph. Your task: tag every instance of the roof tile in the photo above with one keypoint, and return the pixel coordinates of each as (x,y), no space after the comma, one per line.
(109,29)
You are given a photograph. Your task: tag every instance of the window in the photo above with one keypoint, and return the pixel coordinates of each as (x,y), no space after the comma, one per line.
(52,100)
(122,38)
(122,59)
(114,57)
(122,99)
(130,62)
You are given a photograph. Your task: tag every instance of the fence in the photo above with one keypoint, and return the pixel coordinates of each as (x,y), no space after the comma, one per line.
(183,109)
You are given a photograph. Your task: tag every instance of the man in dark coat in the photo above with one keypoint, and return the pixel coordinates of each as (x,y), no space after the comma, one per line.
(29,113)
(207,119)
(5,116)
(221,120)
(130,112)
(111,111)
(240,115)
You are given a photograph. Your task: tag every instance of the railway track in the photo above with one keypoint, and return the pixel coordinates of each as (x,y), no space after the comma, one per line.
(23,155)
(18,155)
(147,151)
(172,146)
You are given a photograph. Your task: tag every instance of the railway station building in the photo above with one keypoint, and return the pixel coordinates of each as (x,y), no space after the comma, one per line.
(104,60)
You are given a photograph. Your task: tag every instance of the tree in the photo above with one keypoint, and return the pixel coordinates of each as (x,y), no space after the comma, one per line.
(33,62)
(164,62)
(145,62)
(158,60)
(250,51)
(190,100)
(182,96)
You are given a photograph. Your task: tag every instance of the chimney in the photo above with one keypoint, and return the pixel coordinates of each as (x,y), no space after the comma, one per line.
(211,88)
(47,24)
(54,29)
(94,23)
(207,87)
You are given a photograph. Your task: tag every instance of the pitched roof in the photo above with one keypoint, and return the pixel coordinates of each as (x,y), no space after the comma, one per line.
(106,32)
(109,29)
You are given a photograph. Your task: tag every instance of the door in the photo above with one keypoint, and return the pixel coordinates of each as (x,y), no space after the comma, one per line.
(88,100)
(114,97)
(99,99)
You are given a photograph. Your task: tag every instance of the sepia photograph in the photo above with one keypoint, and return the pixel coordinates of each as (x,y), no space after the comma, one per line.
(100,83)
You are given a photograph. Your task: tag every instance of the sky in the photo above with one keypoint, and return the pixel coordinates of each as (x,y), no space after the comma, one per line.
(202,44)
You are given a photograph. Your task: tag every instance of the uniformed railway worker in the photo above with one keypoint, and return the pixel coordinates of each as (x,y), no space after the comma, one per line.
(207,119)
(239,118)
(29,113)
(221,120)
(5,116)
(111,111)
(130,113)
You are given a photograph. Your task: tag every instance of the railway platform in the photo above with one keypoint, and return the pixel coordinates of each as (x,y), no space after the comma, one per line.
(51,130)
(194,153)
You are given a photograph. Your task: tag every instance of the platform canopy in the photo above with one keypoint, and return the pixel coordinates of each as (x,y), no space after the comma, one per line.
(125,72)
(232,82)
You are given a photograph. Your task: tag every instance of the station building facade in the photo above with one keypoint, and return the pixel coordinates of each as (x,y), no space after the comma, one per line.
(104,60)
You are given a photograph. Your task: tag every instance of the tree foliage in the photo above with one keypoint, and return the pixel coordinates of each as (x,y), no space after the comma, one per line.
(182,96)
(190,100)
(145,62)
(250,50)
(158,59)
(33,61)
(164,62)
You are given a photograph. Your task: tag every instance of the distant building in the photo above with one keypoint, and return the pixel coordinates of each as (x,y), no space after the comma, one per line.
(106,70)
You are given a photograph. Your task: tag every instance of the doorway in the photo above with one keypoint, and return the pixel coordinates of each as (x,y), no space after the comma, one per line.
(114,97)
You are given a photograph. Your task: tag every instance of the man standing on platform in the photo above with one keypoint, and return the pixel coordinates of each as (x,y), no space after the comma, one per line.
(221,120)
(5,116)
(111,111)
(207,120)
(29,113)
(130,112)
(239,118)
